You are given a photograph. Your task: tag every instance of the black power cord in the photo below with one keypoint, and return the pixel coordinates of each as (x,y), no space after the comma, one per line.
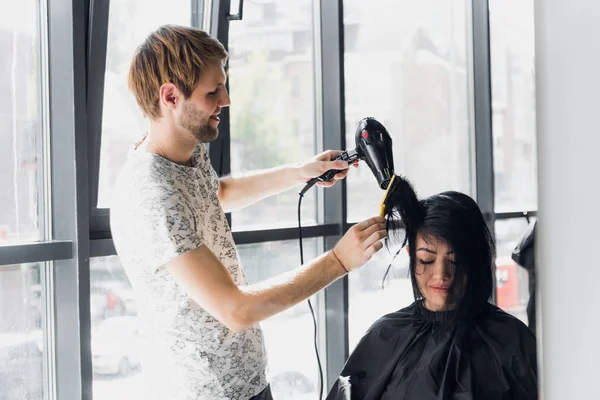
(312,311)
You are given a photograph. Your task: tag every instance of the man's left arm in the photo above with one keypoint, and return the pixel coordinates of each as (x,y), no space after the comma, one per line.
(241,191)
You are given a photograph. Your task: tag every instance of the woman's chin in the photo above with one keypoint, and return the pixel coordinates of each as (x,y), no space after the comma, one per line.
(435,305)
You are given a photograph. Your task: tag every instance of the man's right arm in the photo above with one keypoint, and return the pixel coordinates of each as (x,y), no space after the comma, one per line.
(200,273)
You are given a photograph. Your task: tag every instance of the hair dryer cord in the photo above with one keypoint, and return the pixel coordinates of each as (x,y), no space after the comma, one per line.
(312,311)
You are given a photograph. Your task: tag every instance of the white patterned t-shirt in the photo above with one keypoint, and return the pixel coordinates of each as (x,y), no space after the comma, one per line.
(161,210)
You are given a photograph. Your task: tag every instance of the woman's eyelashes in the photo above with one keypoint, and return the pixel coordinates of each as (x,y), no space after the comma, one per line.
(429,262)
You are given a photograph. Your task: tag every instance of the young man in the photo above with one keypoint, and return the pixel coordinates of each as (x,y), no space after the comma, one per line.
(199,317)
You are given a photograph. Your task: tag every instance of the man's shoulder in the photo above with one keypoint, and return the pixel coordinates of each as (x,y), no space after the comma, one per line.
(147,168)
(146,176)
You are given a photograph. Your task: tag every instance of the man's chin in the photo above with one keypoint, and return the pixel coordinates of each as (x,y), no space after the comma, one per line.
(209,135)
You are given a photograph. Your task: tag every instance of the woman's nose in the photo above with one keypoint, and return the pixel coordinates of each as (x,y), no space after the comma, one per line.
(441,269)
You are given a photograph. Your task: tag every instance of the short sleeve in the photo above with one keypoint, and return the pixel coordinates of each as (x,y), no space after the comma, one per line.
(172,229)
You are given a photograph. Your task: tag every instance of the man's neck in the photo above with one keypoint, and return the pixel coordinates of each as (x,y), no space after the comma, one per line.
(170,144)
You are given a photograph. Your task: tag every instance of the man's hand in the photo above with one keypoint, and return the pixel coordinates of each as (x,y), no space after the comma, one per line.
(322,163)
(237,192)
(361,241)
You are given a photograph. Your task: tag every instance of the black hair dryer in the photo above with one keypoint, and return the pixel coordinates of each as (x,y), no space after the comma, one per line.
(374,146)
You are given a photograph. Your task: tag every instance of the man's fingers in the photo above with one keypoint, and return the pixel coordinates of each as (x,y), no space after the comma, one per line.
(371,250)
(375,237)
(334,153)
(329,155)
(326,184)
(328,165)
(371,221)
(372,229)
(341,175)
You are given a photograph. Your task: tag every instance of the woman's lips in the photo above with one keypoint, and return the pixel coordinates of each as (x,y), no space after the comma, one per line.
(439,289)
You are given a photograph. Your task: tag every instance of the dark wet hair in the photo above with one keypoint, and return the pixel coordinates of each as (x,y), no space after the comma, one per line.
(455,219)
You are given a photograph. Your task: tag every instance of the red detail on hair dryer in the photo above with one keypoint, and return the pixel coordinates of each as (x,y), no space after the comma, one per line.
(365,134)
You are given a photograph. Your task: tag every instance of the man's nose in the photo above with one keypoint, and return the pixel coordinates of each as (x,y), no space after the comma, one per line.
(225,101)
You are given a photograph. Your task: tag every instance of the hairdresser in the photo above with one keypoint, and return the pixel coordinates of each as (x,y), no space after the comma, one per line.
(199,317)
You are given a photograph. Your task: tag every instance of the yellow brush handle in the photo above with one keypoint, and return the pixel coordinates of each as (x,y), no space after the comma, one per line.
(382,206)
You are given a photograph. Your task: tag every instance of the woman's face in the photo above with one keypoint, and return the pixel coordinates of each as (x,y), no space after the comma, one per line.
(434,271)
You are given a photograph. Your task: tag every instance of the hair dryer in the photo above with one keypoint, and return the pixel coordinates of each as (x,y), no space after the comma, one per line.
(373,145)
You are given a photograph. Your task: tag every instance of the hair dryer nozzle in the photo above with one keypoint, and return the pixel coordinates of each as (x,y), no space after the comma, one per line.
(374,145)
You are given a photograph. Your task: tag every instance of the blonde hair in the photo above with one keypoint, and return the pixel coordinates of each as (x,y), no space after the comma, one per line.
(174,54)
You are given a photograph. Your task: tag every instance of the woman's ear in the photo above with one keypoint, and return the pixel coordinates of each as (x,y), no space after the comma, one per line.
(407,250)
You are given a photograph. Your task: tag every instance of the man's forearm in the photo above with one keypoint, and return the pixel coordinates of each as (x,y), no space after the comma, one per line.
(272,296)
(241,191)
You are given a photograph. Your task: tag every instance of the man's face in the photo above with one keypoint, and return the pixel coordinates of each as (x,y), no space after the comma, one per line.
(199,114)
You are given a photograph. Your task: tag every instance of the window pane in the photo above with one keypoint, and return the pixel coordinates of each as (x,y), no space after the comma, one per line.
(122,121)
(408,67)
(21,333)
(115,344)
(368,301)
(293,370)
(513,104)
(273,102)
(21,122)
(512,283)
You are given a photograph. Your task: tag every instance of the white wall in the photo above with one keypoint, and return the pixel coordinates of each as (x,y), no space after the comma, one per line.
(568,107)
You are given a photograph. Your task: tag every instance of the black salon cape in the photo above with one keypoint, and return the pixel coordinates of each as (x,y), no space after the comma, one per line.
(411,355)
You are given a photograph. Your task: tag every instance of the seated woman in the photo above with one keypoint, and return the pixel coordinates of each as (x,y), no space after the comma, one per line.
(450,343)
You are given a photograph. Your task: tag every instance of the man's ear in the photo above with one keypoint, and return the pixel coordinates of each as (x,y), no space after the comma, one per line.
(169,95)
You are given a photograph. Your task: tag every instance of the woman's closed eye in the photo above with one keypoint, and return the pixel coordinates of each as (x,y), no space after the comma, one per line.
(426,262)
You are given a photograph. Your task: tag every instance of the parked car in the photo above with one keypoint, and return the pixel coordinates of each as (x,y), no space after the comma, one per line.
(21,363)
(115,346)
(111,298)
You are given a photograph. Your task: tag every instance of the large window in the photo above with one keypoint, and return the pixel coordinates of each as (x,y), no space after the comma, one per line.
(122,121)
(22,310)
(273,106)
(408,67)
(21,123)
(513,104)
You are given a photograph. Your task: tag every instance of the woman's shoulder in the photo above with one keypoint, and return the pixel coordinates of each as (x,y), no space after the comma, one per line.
(508,331)
(394,319)
(498,317)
